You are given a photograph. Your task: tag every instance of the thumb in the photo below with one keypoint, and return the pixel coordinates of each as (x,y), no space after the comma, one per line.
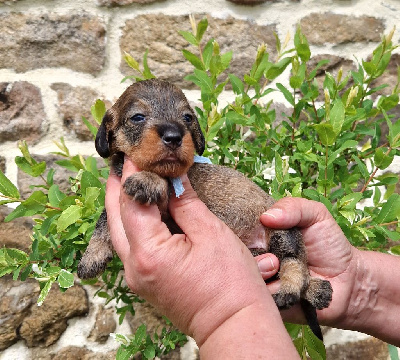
(190,213)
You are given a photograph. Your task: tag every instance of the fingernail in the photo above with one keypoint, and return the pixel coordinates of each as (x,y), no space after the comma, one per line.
(266,265)
(274,213)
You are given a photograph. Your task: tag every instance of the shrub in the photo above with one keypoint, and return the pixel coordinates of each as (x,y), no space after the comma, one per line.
(328,148)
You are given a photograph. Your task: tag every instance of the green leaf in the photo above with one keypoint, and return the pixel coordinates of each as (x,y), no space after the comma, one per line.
(149,352)
(362,167)
(286,93)
(55,195)
(276,69)
(7,188)
(237,84)
(278,168)
(68,217)
(189,37)
(92,129)
(204,80)
(326,134)
(131,62)
(315,347)
(382,159)
(390,210)
(193,59)
(37,201)
(146,70)
(350,201)
(65,279)
(301,45)
(44,292)
(35,169)
(201,29)
(393,352)
(19,211)
(395,250)
(336,118)
(89,180)
(98,111)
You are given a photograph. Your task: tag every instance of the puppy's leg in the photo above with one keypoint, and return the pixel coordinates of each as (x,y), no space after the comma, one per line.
(288,246)
(99,251)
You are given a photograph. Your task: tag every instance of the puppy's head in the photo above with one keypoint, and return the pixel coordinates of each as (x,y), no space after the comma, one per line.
(154,125)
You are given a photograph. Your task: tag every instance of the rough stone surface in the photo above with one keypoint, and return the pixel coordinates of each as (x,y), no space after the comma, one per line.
(71,353)
(3,164)
(340,29)
(75,41)
(249,2)
(104,325)
(46,323)
(369,349)
(16,299)
(73,104)
(165,44)
(8,230)
(21,110)
(124,2)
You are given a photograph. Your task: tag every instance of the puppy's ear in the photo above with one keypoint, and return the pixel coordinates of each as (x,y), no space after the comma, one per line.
(102,140)
(198,137)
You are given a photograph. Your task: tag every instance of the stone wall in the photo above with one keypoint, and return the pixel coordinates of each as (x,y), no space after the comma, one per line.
(57,57)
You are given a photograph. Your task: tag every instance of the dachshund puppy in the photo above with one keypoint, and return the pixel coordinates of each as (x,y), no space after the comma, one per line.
(153,124)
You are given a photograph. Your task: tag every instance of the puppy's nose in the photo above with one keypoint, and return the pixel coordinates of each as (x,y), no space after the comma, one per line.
(172,138)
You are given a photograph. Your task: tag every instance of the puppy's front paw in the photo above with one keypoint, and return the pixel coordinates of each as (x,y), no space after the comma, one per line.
(146,188)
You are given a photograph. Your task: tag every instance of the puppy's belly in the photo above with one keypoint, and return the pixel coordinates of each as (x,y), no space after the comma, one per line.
(257,240)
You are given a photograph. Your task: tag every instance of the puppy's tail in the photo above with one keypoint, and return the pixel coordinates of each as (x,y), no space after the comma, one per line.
(311,316)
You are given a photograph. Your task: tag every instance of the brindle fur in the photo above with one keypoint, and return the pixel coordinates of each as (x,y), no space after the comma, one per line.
(162,142)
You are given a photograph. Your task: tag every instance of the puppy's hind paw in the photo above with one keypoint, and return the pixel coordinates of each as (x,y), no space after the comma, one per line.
(319,293)
(93,264)
(285,300)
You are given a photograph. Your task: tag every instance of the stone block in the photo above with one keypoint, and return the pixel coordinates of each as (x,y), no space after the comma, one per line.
(30,41)
(340,29)
(16,299)
(249,2)
(159,34)
(368,349)
(45,324)
(21,226)
(3,164)
(21,111)
(104,325)
(110,3)
(73,104)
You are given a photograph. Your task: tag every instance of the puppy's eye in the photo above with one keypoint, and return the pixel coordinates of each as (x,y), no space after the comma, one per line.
(188,118)
(138,118)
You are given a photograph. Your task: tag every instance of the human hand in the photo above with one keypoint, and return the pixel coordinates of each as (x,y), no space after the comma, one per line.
(330,255)
(200,279)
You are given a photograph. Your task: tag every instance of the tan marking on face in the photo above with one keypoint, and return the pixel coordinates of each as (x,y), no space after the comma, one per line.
(151,154)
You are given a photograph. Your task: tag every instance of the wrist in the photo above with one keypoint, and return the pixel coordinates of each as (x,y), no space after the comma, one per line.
(254,331)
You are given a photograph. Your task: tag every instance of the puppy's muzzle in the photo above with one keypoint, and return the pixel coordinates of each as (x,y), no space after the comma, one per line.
(171,136)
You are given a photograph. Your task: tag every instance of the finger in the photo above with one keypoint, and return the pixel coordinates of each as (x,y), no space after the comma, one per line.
(291,212)
(268,264)
(191,214)
(115,226)
(142,223)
